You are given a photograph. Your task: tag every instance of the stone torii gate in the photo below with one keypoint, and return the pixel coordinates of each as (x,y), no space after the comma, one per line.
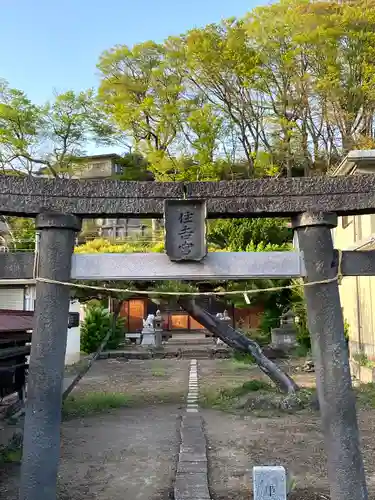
(313,205)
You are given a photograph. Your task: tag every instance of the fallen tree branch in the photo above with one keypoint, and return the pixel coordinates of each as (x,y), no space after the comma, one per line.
(238,341)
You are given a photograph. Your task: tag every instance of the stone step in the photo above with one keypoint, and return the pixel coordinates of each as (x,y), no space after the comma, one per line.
(190,341)
(197,354)
(201,352)
(189,336)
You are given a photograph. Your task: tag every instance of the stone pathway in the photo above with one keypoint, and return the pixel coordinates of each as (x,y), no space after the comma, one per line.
(192,399)
(192,472)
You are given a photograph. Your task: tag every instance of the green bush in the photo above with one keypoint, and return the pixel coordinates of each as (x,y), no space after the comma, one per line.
(270,319)
(303,335)
(98,322)
(259,336)
(299,308)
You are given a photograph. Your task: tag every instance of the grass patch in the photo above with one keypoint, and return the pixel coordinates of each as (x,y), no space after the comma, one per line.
(94,402)
(10,456)
(12,453)
(262,399)
(158,369)
(229,398)
(239,364)
(365,394)
(82,405)
(250,386)
(258,398)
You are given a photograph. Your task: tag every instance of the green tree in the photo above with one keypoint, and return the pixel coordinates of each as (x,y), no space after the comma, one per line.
(20,123)
(221,67)
(96,326)
(204,128)
(135,167)
(21,232)
(239,235)
(143,96)
(50,137)
(287,89)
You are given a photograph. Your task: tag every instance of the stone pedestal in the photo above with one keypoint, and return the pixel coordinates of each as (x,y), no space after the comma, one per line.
(284,337)
(151,336)
(148,337)
(134,337)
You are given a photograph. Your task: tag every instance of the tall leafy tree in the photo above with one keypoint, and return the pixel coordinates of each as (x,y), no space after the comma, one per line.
(221,66)
(288,89)
(143,95)
(49,137)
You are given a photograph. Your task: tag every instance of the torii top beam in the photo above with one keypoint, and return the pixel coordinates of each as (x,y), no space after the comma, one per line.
(28,196)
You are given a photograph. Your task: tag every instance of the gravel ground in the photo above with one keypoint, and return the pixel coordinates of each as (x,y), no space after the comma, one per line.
(129,453)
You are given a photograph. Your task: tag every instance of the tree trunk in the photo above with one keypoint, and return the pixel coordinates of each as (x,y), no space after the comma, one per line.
(238,341)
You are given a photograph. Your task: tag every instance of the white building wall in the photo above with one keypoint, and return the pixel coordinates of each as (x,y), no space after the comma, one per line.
(73,345)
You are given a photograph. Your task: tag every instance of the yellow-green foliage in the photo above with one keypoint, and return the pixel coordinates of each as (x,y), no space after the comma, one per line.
(101,245)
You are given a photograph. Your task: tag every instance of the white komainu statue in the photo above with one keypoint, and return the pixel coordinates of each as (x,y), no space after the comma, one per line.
(149,322)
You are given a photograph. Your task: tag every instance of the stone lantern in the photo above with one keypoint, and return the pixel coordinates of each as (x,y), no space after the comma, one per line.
(285,337)
(158,325)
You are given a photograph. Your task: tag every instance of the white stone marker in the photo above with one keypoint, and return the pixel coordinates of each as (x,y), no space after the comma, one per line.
(269,483)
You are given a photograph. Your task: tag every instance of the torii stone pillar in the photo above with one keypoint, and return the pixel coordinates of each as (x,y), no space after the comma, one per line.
(336,397)
(41,445)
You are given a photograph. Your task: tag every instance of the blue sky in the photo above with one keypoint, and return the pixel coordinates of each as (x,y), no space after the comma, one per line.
(48,45)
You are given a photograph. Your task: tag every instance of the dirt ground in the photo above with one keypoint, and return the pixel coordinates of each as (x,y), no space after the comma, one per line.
(144,381)
(227,373)
(237,443)
(130,453)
